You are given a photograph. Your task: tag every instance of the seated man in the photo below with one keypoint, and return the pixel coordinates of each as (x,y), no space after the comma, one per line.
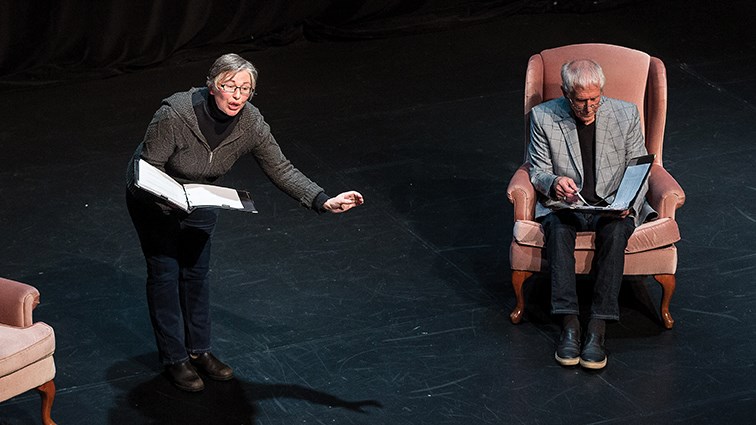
(580,145)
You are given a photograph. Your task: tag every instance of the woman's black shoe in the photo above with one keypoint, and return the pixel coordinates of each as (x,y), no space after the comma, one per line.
(184,377)
(211,366)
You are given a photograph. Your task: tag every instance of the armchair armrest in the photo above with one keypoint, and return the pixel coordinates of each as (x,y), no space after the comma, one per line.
(664,193)
(17,300)
(521,194)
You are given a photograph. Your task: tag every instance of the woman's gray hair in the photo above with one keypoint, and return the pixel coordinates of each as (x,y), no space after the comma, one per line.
(229,63)
(581,73)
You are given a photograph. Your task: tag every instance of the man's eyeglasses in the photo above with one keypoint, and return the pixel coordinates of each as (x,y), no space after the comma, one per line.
(582,104)
(231,89)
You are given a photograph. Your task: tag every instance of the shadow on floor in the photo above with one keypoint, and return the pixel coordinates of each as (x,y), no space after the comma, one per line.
(229,402)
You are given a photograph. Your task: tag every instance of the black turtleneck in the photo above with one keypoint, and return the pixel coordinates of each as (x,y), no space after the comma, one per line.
(587,137)
(214,124)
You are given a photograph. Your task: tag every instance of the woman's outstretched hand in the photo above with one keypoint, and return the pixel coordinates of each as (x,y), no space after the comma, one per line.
(343,202)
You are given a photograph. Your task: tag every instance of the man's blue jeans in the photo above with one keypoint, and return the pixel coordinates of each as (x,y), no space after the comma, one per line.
(612,233)
(176,248)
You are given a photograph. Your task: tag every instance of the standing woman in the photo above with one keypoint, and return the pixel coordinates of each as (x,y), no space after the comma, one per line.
(196,136)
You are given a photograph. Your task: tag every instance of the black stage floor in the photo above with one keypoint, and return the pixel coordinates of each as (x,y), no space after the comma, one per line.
(397,312)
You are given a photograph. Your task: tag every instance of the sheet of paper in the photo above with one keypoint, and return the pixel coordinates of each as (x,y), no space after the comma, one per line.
(631,182)
(153,180)
(200,195)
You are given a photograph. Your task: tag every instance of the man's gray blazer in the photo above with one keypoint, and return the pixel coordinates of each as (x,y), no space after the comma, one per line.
(554,151)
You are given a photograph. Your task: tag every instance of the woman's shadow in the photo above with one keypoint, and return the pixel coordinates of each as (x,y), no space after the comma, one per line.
(157,401)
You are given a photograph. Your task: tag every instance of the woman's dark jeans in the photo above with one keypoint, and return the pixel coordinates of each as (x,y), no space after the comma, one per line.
(176,247)
(612,233)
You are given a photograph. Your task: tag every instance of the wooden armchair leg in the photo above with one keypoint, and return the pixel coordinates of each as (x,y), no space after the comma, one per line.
(667,282)
(518,278)
(47,392)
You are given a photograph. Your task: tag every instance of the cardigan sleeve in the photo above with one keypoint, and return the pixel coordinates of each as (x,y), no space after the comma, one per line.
(279,169)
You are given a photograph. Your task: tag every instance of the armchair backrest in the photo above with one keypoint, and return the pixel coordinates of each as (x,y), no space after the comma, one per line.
(631,75)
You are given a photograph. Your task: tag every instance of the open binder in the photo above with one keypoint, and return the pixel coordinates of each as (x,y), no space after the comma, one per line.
(191,195)
(636,173)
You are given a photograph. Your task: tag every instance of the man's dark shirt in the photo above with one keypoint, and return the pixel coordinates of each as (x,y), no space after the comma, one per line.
(587,137)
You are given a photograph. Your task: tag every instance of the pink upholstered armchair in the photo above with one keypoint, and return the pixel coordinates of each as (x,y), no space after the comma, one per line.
(26,348)
(633,76)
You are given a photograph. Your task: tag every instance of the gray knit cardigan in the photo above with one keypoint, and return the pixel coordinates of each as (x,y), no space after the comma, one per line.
(174,143)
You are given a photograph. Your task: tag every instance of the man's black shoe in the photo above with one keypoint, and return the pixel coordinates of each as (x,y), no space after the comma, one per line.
(594,353)
(568,350)
(208,364)
(184,377)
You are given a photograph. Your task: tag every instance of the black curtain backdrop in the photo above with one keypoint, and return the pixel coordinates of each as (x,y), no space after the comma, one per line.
(43,41)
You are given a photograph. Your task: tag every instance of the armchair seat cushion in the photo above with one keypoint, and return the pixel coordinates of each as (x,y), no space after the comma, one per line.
(652,235)
(20,347)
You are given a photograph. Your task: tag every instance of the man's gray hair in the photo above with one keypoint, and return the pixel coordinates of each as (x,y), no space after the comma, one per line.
(582,73)
(230,63)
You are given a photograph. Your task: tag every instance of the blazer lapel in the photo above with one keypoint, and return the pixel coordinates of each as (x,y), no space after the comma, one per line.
(569,132)
(609,162)
(602,140)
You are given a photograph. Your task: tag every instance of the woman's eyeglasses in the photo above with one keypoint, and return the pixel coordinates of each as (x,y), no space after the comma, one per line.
(231,89)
